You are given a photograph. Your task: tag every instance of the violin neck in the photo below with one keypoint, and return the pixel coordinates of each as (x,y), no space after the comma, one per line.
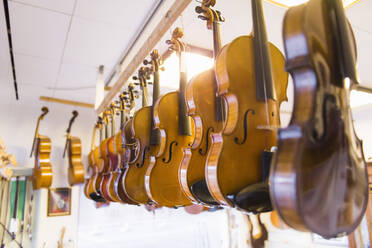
(184,127)
(216,39)
(93,139)
(342,42)
(154,135)
(264,81)
(220,104)
(35,136)
(145,93)
(113,124)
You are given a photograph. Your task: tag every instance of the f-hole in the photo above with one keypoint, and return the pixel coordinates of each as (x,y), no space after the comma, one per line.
(201,152)
(170,152)
(236,139)
(139,165)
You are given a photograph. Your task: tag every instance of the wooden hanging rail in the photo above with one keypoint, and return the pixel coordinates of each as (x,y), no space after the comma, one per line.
(64,101)
(157,33)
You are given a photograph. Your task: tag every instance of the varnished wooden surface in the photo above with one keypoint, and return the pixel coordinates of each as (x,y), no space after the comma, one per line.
(200,98)
(42,174)
(162,178)
(234,161)
(75,172)
(319,179)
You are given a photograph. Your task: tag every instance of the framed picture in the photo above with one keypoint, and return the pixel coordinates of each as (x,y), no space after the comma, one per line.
(59,201)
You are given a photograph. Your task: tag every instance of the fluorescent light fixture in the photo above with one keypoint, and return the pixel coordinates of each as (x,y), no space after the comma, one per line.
(169,78)
(290,3)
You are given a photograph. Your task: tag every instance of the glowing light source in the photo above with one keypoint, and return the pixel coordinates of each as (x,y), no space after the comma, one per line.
(290,3)
(358,98)
(195,65)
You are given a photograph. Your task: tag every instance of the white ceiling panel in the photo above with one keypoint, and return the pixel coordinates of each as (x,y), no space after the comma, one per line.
(95,43)
(64,6)
(83,95)
(77,75)
(128,14)
(36,71)
(38,32)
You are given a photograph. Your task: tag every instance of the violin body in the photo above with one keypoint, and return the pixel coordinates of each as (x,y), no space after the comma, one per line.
(104,166)
(92,184)
(134,178)
(234,159)
(113,154)
(127,154)
(42,172)
(162,180)
(200,99)
(319,180)
(75,173)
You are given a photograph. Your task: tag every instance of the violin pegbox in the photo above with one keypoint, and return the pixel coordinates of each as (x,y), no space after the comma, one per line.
(175,44)
(208,14)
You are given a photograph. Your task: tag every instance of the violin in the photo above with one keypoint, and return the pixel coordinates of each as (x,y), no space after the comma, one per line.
(108,153)
(91,188)
(41,146)
(91,165)
(127,147)
(207,112)
(75,172)
(144,134)
(176,131)
(252,82)
(319,180)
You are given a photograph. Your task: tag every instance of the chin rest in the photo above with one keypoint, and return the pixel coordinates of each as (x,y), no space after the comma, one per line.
(97,198)
(255,198)
(201,193)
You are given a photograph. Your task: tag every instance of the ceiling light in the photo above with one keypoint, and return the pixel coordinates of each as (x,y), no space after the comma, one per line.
(290,3)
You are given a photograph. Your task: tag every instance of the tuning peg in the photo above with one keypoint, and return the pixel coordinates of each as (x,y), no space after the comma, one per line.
(136,92)
(146,62)
(199,10)
(125,93)
(169,42)
(203,18)
(135,78)
(149,82)
(162,68)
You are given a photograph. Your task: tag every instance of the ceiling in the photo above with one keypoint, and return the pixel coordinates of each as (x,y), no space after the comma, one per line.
(59,45)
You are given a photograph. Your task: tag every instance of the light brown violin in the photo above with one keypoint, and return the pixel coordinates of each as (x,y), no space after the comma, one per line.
(207,112)
(75,172)
(42,173)
(96,163)
(93,156)
(319,180)
(108,153)
(252,81)
(144,134)
(176,132)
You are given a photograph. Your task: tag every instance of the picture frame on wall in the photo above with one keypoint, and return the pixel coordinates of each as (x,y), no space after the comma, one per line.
(59,201)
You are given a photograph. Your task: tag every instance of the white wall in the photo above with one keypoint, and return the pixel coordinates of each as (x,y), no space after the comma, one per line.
(17,127)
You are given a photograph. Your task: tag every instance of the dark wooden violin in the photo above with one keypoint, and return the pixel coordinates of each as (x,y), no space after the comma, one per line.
(75,172)
(41,146)
(319,180)
(176,132)
(207,111)
(144,135)
(252,82)
(128,146)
